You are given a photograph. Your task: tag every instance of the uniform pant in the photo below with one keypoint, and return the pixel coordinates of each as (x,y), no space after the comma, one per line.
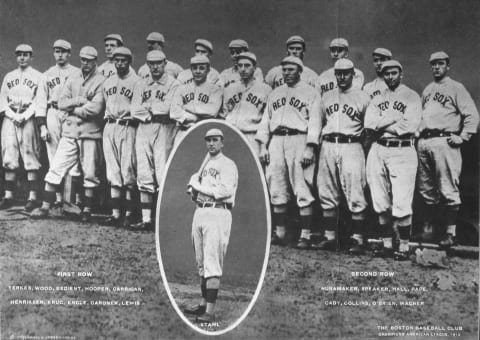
(20,142)
(54,125)
(391,173)
(210,236)
(439,167)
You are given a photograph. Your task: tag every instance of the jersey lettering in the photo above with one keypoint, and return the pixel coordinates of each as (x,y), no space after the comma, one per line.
(279,103)
(327,87)
(296,103)
(351,112)
(251,98)
(332,108)
(53,82)
(442,99)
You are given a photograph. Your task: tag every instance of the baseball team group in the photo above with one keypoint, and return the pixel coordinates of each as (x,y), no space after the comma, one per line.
(327,136)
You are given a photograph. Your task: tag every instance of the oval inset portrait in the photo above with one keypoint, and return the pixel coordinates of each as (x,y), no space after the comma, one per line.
(213,223)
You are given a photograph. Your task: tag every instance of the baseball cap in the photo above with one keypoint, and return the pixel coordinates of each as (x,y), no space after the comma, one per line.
(199,59)
(88,52)
(155,56)
(292,60)
(155,36)
(248,55)
(205,43)
(339,42)
(383,52)
(24,48)
(63,44)
(114,36)
(296,39)
(438,55)
(343,64)
(238,43)
(214,133)
(391,63)
(122,51)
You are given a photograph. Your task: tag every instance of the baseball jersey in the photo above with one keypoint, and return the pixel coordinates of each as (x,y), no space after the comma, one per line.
(108,68)
(83,121)
(327,81)
(186,76)
(218,180)
(117,93)
(55,78)
(375,87)
(152,97)
(343,111)
(203,101)
(402,100)
(274,77)
(22,91)
(231,75)
(296,107)
(171,68)
(243,105)
(447,106)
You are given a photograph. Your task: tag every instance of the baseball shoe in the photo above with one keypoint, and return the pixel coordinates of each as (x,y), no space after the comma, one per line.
(6,203)
(426,237)
(303,244)
(111,221)
(127,221)
(142,226)
(355,247)
(195,310)
(315,241)
(448,241)
(277,241)
(39,213)
(85,216)
(400,255)
(205,318)
(32,204)
(56,210)
(327,245)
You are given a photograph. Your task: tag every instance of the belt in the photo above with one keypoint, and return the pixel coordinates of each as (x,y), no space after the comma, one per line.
(227,206)
(435,133)
(341,138)
(52,105)
(395,143)
(163,119)
(288,132)
(124,122)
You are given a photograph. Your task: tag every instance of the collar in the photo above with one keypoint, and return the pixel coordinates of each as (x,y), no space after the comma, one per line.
(162,81)
(443,81)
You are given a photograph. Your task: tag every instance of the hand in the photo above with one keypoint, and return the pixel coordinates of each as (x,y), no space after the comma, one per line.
(308,157)
(18,120)
(148,106)
(80,101)
(402,124)
(264,155)
(191,119)
(454,140)
(44,134)
(194,182)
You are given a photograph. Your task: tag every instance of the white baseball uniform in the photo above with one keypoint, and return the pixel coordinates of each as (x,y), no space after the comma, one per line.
(231,75)
(375,87)
(171,68)
(186,76)
(327,81)
(274,77)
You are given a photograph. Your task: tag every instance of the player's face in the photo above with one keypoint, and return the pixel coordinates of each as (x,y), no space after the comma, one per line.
(338,53)
(23,59)
(392,77)
(201,50)
(110,45)
(200,72)
(439,68)
(61,56)
(378,61)
(122,64)
(344,78)
(154,46)
(296,49)
(87,65)
(291,74)
(245,68)
(214,145)
(157,68)
(234,52)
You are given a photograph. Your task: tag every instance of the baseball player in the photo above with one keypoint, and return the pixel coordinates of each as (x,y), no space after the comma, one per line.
(296,47)
(341,170)
(151,102)
(21,99)
(81,141)
(202,47)
(156,42)
(376,86)
(214,187)
(449,118)
(51,128)
(326,81)
(244,102)
(392,160)
(198,100)
(288,134)
(231,75)
(119,136)
(112,41)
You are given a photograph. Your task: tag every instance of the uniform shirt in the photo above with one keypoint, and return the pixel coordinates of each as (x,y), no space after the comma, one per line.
(274,77)
(296,107)
(108,69)
(327,81)
(375,87)
(54,80)
(447,106)
(231,75)
(22,92)
(83,121)
(186,76)
(402,100)
(203,101)
(152,97)
(344,111)
(171,68)
(118,93)
(218,180)
(243,105)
